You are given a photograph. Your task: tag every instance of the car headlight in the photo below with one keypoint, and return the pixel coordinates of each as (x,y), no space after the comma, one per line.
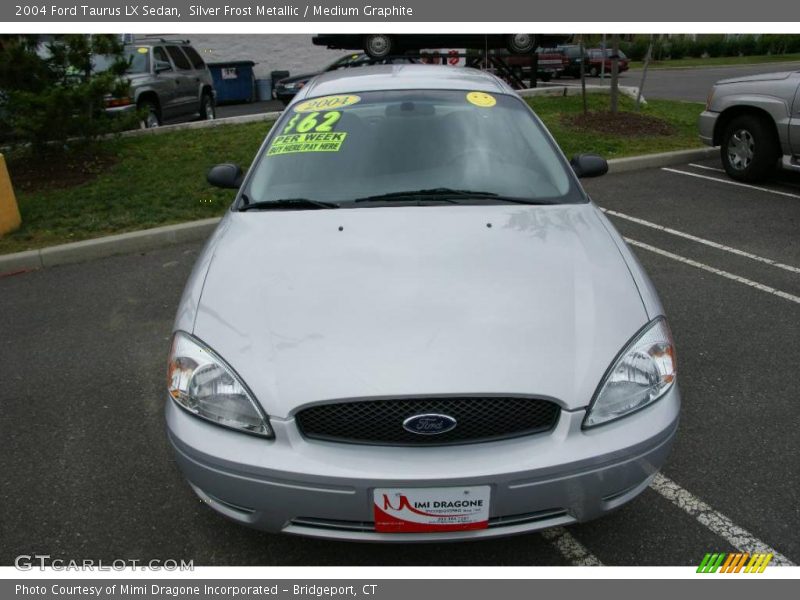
(200,382)
(642,373)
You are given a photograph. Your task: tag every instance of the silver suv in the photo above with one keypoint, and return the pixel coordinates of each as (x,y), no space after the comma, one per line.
(756,121)
(168,81)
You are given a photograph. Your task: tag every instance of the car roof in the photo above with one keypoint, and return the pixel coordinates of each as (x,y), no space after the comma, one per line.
(402,77)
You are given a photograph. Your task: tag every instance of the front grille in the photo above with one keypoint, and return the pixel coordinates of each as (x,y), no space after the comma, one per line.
(478,419)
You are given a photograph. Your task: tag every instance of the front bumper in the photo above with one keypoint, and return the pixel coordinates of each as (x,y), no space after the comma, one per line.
(705,124)
(285,95)
(324,489)
(120,110)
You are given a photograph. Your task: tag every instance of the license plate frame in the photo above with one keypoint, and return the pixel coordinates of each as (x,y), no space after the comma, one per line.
(431,509)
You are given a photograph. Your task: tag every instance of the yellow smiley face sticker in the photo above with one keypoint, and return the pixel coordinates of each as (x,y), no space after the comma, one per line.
(481,99)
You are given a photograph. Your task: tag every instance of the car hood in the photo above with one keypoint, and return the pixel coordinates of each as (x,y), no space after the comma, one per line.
(352,303)
(136,78)
(762,77)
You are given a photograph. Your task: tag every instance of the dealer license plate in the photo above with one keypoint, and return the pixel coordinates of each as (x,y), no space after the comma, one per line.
(416,510)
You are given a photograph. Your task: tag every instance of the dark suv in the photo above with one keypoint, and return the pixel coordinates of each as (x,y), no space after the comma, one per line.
(168,81)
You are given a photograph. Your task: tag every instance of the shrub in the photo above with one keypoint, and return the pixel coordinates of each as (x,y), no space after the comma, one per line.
(637,49)
(747,45)
(732,47)
(715,45)
(51,92)
(678,48)
(696,48)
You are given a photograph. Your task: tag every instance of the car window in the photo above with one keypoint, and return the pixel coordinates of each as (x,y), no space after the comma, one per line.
(194,57)
(341,148)
(160,56)
(179,58)
(137,58)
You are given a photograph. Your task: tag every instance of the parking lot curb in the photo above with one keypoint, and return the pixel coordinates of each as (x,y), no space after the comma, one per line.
(564,89)
(265,116)
(662,159)
(123,243)
(149,239)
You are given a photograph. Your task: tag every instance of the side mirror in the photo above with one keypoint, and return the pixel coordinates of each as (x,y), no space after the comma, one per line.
(226,175)
(589,165)
(162,66)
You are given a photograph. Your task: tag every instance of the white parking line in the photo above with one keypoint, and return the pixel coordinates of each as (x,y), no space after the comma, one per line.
(736,183)
(570,548)
(706,167)
(739,538)
(720,272)
(700,240)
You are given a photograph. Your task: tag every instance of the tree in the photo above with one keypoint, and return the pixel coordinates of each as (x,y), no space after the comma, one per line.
(614,73)
(54,91)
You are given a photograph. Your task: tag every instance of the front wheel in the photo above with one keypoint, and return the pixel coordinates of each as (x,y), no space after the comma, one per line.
(749,148)
(594,72)
(152,118)
(378,46)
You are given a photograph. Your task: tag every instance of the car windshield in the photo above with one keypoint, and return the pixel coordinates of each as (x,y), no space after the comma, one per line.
(138,60)
(347,61)
(373,144)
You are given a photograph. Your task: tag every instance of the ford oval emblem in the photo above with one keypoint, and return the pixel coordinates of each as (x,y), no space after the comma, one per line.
(429,424)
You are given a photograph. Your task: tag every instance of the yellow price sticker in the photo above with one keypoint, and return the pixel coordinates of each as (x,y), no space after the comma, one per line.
(142,50)
(326,103)
(481,99)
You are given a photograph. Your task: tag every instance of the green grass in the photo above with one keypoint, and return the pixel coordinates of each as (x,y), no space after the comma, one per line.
(718,61)
(156,180)
(681,115)
(160,179)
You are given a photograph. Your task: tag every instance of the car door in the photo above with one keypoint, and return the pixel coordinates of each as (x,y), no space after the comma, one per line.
(165,83)
(186,100)
(794,123)
(200,73)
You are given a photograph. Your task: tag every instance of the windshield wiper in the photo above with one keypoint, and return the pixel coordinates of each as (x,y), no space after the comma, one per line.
(288,204)
(448,195)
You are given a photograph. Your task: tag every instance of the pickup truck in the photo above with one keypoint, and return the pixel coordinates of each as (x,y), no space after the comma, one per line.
(756,122)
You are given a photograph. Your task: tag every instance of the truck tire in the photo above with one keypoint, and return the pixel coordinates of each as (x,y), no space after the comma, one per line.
(208,111)
(521,43)
(152,117)
(749,148)
(378,46)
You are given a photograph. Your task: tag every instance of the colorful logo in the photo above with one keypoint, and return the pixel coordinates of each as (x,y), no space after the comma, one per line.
(734,563)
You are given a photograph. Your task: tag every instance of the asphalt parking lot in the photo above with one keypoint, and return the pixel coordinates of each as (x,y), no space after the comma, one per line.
(87,472)
(687,83)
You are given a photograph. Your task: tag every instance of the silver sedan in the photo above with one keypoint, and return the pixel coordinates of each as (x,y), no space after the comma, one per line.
(413,324)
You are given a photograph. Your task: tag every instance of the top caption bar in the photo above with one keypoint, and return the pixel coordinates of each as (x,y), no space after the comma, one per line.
(449,11)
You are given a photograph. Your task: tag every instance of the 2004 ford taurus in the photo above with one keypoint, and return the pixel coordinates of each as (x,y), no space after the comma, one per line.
(413,324)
